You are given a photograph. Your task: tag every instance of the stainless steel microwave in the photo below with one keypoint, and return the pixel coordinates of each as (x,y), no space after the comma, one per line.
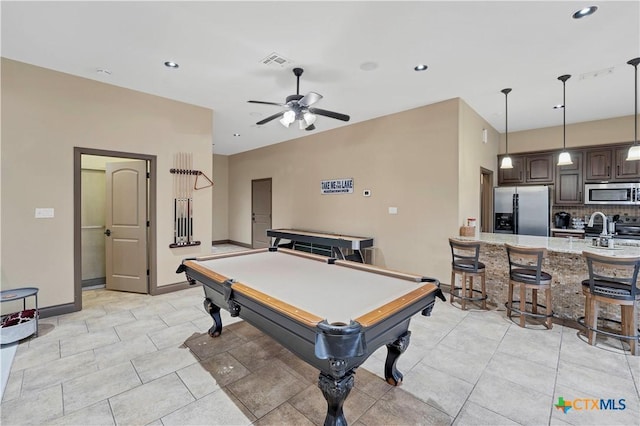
(612,193)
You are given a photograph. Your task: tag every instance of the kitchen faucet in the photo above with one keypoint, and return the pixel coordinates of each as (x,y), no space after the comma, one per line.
(604,222)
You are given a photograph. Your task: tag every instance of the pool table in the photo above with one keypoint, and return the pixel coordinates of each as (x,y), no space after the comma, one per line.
(331,313)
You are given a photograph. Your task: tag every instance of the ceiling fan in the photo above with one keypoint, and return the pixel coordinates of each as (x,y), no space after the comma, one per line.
(298,108)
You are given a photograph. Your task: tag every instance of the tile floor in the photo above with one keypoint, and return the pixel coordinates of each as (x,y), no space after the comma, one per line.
(131,359)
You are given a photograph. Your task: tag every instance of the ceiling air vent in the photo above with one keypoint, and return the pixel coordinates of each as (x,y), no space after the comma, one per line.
(275,60)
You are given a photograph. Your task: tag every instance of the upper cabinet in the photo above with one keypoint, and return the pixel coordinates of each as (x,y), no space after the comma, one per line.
(598,164)
(625,170)
(609,164)
(512,176)
(527,169)
(539,168)
(569,182)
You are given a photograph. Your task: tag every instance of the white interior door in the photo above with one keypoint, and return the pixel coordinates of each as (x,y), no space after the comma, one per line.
(126,226)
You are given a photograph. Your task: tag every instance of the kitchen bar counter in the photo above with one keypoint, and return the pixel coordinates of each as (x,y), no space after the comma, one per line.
(564,262)
(560,245)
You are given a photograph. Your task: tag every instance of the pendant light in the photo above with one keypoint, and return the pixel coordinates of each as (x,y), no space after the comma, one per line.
(565,158)
(634,151)
(506,160)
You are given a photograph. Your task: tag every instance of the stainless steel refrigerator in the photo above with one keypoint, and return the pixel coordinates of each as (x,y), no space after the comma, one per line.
(523,210)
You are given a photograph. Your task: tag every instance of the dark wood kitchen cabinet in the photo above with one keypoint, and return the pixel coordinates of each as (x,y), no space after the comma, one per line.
(539,169)
(569,180)
(536,169)
(598,164)
(609,164)
(625,170)
(512,176)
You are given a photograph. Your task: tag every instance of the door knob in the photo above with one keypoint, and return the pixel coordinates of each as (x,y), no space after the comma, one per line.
(107,232)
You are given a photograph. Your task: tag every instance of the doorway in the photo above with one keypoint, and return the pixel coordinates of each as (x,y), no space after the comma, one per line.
(98,247)
(486,200)
(260,212)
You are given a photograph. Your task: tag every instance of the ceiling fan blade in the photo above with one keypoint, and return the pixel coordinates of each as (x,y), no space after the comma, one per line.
(331,114)
(265,103)
(270,118)
(310,99)
(312,127)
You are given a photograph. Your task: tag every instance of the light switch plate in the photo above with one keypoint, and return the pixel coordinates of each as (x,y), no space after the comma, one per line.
(44,213)
(393,210)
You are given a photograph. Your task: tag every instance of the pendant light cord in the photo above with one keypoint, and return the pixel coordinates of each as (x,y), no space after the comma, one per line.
(506,120)
(564,116)
(563,79)
(634,62)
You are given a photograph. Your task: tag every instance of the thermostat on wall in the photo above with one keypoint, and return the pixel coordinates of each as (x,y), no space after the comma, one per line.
(366,192)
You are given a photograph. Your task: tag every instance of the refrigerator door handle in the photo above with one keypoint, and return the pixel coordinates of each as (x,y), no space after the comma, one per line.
(515,213)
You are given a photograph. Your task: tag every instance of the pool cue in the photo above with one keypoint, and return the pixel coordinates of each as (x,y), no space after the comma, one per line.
(179,198)
(175,201)
(182,212)
(190,200)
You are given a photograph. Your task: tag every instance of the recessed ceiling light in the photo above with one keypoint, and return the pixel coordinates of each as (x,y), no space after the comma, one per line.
(368,66)
(420,67)
(171,64)
(559,106)
(585,12)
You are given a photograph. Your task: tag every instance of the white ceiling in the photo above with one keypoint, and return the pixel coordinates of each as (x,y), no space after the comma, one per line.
(473,50)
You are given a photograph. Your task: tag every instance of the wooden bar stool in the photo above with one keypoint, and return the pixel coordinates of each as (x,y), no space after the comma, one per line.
(465,263)
(525,271)
(614,280)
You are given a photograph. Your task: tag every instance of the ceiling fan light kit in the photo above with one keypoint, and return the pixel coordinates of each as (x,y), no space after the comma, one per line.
(298,108)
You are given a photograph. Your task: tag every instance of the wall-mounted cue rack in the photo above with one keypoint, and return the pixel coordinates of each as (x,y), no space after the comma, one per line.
(184,184)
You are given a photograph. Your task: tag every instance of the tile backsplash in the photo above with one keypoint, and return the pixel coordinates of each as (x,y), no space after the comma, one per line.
(587,210)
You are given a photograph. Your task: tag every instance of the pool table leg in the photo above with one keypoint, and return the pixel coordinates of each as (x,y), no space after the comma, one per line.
(394,350)
(214,311)
(335,391)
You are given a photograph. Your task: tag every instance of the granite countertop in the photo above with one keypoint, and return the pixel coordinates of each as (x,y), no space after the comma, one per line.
(560,245)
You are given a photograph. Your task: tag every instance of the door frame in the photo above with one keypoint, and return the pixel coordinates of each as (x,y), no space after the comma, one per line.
(486,200)
(270,206)
(77,217)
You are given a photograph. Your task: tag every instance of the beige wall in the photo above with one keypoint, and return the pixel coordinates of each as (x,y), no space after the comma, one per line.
(45,115)
(598,132)
(408,160)
(220,198)
(474,153)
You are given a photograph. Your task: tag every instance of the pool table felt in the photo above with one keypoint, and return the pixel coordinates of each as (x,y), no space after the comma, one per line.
(336,292)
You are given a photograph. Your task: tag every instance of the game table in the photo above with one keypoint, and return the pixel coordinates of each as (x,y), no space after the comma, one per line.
(337,242)
(331,313)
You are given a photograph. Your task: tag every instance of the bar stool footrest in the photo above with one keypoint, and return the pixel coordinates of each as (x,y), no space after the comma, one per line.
(527,313)
(455,293)
(609,333)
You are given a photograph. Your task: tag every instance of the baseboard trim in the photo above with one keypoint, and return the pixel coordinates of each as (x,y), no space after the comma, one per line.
(238,243)
(52,311)
(94,281)
(173,287)
(235,243)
